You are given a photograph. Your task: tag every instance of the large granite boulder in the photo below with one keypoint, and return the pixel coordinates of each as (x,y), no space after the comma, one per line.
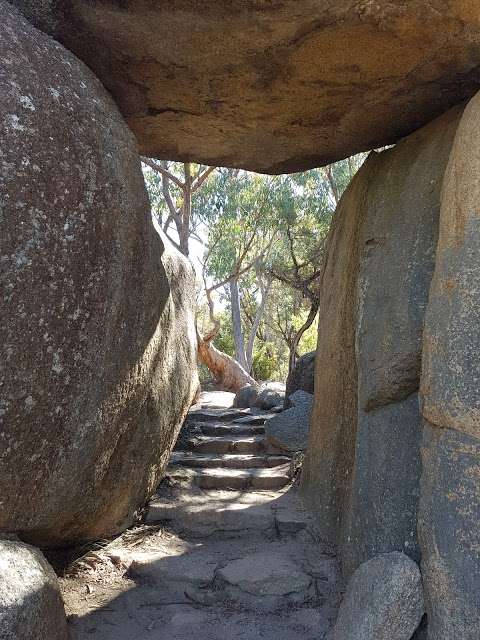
(288,430)
(272,86)
(330,457)
(450,495)
(301,377)
(97,342)
(384,601)
(452,331)
(31,607)
(363,460)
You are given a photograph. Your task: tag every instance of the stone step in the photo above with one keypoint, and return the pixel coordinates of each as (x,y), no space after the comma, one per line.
(202,513)
(254,419)
(231,514)
(209,429)
(226,460)
(234,479)
(230,444)
(216,415)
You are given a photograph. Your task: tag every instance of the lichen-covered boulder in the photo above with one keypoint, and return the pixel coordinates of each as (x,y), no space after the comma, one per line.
(384,601)
(31,607)
(272,86)
(97,343)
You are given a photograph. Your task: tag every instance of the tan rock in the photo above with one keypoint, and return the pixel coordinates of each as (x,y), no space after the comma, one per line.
(272,86)
(331,447)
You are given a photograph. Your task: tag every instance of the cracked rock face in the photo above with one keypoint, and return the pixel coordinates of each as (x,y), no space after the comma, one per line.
(363,462)
(97,344)
(450,495)
(266,578)
(272,86)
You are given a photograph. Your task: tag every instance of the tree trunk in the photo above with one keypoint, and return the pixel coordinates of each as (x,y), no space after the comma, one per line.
(292,354)
(256,322)
(228,373)
(237,324)
(184,230)
(183,236)
(293,345)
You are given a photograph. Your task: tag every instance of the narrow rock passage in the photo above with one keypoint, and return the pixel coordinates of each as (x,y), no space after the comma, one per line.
(226,550)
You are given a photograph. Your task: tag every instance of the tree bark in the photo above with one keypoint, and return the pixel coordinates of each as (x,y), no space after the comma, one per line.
(228,373)
(293,346)
(184,227)
(237,324)
(256,323)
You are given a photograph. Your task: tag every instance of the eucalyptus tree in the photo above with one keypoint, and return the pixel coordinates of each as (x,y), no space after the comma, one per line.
(305,203)
(240,238)
(172,188)
(263,237)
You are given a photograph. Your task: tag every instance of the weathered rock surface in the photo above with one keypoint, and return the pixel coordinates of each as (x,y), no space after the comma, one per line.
(96,315)
(289,430)
(375,288)
(263,85)
(290,591)
(30,603)
(382,514)
(401,229)
(201,513)
(384,600)
(449,533)
(450,495)
(271,395)
(195,568)
(246,396)
(301,377)
(331,446)
(265,579)
(451,366)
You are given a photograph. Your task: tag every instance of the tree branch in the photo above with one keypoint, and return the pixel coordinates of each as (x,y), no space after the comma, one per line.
(200,178)
(164,172)
(327,171)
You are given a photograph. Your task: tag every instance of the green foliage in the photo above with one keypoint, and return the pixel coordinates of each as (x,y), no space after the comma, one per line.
(309,339)
(277,227)
(224,339)
(265,362)
(204,374)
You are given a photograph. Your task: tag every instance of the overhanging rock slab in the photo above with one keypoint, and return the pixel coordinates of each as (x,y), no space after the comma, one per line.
(272,86)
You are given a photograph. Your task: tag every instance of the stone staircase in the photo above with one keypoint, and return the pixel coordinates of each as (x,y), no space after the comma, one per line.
(226,449)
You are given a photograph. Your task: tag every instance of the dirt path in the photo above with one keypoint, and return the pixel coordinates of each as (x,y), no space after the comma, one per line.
(208,565)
